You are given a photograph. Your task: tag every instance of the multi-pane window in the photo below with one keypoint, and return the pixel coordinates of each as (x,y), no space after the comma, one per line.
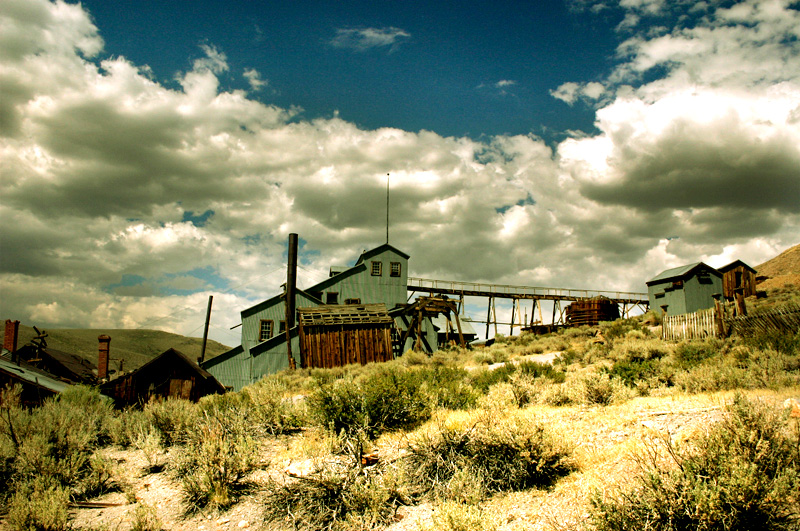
(265,330)
(395,269)
(282,327)
(377,269)
(331,297)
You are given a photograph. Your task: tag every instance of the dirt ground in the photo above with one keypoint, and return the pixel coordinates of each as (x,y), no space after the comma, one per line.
(604,441)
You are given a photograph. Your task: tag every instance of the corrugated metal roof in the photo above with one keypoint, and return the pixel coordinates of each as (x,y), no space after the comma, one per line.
(341,314)
(32,376)
(682,271)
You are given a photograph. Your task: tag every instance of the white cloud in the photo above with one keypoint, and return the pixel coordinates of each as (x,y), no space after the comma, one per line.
(254,78)
(107,174)
(368,38)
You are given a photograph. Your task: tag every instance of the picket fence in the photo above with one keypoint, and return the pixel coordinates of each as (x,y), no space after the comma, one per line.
(695,325)
(705,323)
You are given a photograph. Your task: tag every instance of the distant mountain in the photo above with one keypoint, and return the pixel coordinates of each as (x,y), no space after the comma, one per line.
(781,270)
(130,349)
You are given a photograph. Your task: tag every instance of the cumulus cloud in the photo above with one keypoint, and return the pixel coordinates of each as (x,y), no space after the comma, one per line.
(254,78)
(367,38)
(105,170)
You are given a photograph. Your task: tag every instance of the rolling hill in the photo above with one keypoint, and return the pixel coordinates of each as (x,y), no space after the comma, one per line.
(781,270)
(129,348)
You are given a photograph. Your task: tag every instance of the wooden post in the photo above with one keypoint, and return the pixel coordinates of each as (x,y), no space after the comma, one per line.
(741,308)
(513,309)
(488,317)
(719,315)
(664,321)
(205,331)
(289,303)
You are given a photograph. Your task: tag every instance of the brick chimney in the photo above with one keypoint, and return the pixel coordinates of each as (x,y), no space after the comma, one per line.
(102,356)
(10,338)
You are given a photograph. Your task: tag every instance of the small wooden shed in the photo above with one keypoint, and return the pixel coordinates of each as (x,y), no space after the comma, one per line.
(738,275)
(337,335)
(169,375)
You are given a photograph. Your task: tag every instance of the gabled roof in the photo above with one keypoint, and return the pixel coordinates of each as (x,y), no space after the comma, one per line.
(32,376)
(178,354)
(734,265)
(83,369)
(366,255)
(682,272)
(341,274)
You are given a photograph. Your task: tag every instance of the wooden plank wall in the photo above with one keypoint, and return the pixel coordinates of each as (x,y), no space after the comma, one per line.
(695,325)
(336,346)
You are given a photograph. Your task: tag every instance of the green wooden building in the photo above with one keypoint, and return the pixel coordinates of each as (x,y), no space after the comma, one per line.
(684,289)
(378,276)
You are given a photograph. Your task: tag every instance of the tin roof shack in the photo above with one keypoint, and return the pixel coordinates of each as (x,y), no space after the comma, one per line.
(36,385)
(334,336)
(63,365)
(169,375)
(738,275)
(685,289)
(592,311)
(379,276)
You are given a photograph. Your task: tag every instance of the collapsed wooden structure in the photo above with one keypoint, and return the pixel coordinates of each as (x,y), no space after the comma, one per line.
(414,315)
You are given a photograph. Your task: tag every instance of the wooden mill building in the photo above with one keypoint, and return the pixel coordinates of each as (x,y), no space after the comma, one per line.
(379,276)
(684,289)
(738,275)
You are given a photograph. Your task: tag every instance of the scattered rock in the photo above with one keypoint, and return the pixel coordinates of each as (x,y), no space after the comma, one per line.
(244,523)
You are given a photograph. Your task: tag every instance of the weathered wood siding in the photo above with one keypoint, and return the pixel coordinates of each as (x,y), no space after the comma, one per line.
(738,277)
(697,325)
(339,345)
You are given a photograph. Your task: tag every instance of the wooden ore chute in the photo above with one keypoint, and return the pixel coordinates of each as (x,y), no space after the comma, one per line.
(336,335)
(412,315)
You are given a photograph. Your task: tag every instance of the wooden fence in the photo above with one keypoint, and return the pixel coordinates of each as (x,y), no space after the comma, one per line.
(698,325)
(705,323)
(785,318)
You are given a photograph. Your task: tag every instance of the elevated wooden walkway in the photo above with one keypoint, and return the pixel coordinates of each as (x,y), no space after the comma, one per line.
(627,300)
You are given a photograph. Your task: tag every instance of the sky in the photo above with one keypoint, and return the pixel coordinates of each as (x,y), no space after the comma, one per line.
(153,155)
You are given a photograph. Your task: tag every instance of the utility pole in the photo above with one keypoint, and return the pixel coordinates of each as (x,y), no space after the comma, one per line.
(291,286)
(205,330)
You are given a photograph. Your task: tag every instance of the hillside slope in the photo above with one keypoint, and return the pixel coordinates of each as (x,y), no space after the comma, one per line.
(133,348)
(781,270)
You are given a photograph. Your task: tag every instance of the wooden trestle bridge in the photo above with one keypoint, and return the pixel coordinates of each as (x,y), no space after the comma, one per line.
(627,301)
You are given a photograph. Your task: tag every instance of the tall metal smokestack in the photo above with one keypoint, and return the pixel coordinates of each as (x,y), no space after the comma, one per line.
(291,286)
(102,356)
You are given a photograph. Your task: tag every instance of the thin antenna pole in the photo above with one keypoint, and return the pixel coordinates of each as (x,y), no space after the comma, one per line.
(387,208)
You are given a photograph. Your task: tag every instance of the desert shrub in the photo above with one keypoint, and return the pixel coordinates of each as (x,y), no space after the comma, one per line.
(447,386)
(125,426)
(387,400)
(145,518)
(489,456)
(783,341)
(743,475)
(149,442)
(689,354)
(174,419)
(619,328)
(334,498)
(217,455)
(39,504)
(633,372)
(594,388)
(451,516)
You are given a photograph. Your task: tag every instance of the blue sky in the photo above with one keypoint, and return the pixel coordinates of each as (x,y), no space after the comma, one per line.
(465,69)
(155,153)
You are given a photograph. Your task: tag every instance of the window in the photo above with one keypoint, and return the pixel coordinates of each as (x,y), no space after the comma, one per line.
(394,270)
(352,301)
(331,298)
(659,295)
(282,327)
(678,284)
(377,269)
(265,331)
